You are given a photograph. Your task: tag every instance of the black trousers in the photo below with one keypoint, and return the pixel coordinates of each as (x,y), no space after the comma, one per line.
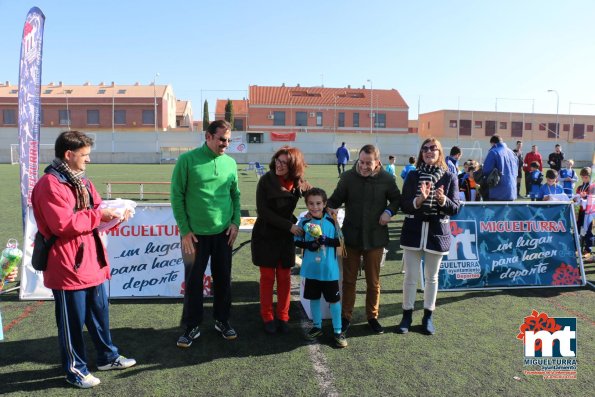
(339,166)
(527,182)
(216,248)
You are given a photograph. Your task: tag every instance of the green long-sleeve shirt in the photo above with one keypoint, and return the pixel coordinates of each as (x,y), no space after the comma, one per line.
(205,197)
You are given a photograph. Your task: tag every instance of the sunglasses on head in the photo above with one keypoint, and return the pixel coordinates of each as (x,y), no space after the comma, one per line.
(431,148)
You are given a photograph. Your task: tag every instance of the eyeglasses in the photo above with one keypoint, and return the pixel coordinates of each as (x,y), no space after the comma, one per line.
(281,162)
(228,140)
(426,149)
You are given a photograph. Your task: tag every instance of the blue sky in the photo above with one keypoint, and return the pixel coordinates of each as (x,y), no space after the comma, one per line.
(440,54)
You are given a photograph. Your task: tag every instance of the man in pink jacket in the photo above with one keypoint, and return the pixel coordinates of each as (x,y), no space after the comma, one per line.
(66,205)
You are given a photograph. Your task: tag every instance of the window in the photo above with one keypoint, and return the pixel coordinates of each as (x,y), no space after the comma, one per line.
(516,129)
(318,119)
(589,127)
(68,92)
(380,120)
(428,125)
(542,127)
(503,125)
(528,126)
(490,128)
(119,117)
(255,137)
(101,91)
(479,124)
(278,118)
(120,92)
(566,127)
(9,116)
(238,124)
(14,91)
(64,117)
(301,119)
(552,130)
(47,91)
(578,131)
(41,116)
(452,124)
(149,117)
(93,117)
(465,127)
(341,120)
(356,119)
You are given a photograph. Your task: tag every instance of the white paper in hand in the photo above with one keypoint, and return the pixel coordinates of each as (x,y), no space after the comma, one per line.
(120,206)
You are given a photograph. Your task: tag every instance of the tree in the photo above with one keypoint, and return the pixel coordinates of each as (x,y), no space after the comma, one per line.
(205,116)
(229,113)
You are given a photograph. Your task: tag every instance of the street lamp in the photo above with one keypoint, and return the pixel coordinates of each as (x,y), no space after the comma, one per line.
(67,110)
(155,100)
(371,104)
(557,114)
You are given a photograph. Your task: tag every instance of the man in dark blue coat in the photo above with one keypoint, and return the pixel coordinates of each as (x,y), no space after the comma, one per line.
(502,158)
(342,158)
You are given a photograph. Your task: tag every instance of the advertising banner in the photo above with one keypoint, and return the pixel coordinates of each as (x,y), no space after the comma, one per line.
(237,145)
(29,106)
(511,246)
(281,136)
(144,254)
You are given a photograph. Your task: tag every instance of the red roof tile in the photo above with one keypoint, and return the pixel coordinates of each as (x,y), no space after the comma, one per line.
(240,106)
(313,96)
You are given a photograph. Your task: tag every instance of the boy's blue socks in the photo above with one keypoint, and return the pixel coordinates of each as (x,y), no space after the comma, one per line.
(336,316)
(316,313)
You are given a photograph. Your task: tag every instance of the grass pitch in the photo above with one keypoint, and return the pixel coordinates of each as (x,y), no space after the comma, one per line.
(475,350)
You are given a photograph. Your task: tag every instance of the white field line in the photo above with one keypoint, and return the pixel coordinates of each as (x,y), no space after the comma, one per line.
(323,374)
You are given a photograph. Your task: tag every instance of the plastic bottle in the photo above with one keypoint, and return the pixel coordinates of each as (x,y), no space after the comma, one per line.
(9,260)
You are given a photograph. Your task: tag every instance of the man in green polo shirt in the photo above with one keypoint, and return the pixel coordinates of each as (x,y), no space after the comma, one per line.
(205,200)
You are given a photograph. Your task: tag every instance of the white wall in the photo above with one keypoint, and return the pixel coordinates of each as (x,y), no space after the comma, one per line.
(319,148)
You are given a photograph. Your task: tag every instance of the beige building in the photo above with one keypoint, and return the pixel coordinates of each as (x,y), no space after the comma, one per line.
(477,125)
(102,107)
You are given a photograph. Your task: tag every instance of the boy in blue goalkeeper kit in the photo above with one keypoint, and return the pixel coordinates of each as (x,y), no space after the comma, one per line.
(320,267)
(535,180)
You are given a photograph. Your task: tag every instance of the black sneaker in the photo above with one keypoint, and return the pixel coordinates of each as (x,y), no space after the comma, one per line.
(282,327)
(340,340)
(270,327)
(375,325)
(226,331)
(314,333)
(189,335)
(345,324)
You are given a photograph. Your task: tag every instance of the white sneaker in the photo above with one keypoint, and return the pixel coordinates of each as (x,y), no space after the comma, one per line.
(119,363)
(87,382)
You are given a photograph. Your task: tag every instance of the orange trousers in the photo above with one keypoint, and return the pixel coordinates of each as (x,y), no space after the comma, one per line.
(267,281)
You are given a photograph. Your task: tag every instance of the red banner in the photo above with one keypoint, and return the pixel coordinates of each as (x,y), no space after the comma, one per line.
(280,136)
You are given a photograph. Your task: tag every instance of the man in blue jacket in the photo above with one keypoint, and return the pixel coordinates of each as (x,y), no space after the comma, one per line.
(502,158)
(342,158)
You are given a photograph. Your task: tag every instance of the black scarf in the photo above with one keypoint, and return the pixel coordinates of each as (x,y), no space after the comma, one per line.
(429,173)
(75,179)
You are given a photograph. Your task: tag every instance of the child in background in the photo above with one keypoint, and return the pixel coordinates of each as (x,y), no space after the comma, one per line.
(551,187)
(320,267)
(469,187)
(535,179)
(390,168)
(568,177)
(408,167)
(585,231)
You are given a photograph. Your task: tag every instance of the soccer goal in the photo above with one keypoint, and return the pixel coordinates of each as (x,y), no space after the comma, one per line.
(46,153)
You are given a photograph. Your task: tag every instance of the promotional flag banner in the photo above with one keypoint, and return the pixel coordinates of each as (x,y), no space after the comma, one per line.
(512,245)
(281,136)
(29,105)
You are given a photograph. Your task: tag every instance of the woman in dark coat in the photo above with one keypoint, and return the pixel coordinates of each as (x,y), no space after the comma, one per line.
(273,248)
(430,196)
